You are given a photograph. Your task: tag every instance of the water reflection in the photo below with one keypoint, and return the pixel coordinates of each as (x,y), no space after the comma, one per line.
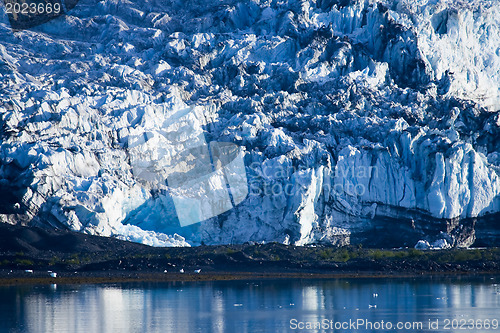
(242,306)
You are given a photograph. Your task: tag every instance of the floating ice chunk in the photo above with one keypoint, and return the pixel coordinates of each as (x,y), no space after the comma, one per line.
(422,245)
(440,244)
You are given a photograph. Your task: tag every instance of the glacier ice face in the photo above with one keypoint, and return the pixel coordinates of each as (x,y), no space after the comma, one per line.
(459,44)
(359,121)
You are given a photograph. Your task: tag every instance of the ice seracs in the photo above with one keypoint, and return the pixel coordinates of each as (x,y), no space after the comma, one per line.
(371,122)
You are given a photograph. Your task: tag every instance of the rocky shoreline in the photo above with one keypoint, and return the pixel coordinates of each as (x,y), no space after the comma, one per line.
(33,255)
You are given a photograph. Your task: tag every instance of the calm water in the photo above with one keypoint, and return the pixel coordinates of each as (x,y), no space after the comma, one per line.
(256,306)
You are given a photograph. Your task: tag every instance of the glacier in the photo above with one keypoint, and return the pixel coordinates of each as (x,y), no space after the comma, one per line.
(369,122)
